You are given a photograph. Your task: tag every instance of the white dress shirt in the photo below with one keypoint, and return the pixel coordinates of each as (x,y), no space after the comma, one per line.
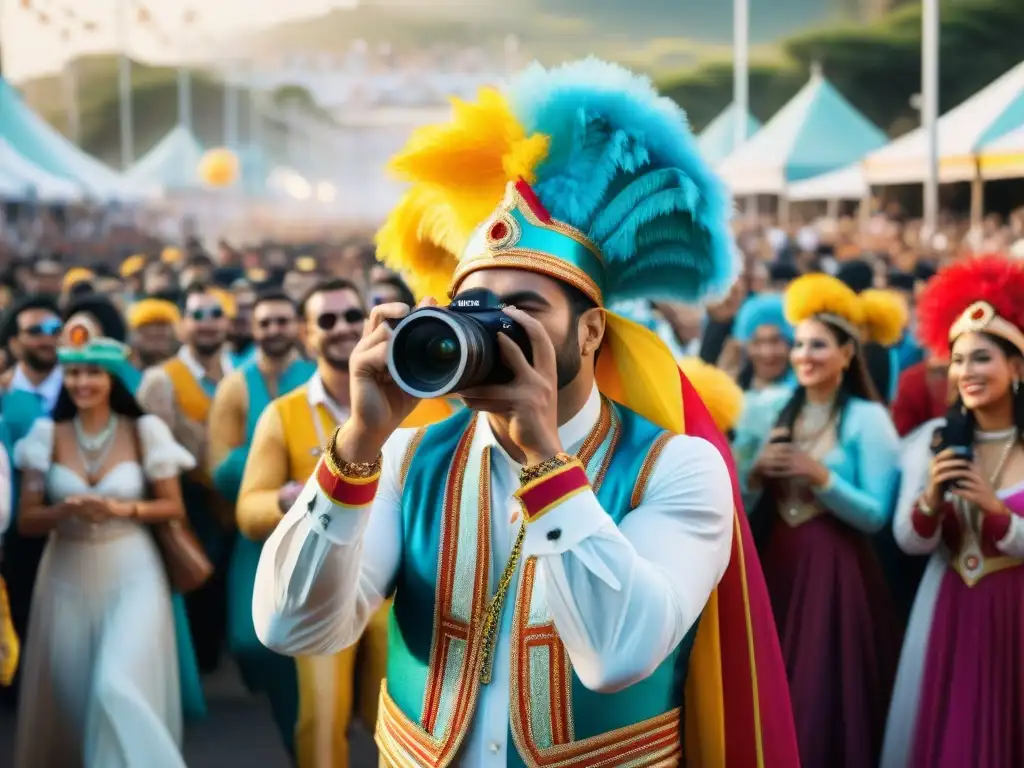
(196,368)
(622,598)
(48,390)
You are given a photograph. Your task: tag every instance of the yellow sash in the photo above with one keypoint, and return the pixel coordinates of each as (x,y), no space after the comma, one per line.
(188,393)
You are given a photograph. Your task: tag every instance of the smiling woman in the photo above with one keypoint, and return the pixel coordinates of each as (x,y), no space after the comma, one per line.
(819,468)
(963,485)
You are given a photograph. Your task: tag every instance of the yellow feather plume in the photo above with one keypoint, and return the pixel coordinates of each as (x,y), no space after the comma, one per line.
(722,396)
(819,294)
(885,315)
(458,172)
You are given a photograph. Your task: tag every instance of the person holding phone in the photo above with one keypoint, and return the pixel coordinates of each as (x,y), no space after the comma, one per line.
(958,698)
(820,468)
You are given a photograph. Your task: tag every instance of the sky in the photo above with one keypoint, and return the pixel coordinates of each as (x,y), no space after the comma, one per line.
(30,48)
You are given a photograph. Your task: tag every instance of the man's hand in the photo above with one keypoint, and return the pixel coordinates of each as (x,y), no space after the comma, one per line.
(379,406)
(529,403)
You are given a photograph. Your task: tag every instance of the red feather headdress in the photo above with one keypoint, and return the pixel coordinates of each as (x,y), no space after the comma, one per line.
(978,294)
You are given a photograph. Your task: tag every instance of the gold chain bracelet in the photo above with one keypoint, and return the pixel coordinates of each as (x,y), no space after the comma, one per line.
(353,470)
(528,474)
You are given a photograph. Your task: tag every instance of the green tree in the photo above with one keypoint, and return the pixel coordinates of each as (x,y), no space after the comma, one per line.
(877,67)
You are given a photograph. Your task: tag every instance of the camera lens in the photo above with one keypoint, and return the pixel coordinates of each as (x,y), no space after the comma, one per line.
(435,351)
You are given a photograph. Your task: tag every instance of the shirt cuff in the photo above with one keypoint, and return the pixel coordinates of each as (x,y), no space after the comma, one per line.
(334,503)
(563,527)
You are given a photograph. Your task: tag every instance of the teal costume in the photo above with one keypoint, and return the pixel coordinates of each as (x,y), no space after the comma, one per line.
(262,669)
(418,589)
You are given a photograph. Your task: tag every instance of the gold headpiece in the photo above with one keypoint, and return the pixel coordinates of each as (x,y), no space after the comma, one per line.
(982,317)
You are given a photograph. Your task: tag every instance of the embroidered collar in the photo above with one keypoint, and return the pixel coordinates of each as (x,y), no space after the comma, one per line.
(571,434)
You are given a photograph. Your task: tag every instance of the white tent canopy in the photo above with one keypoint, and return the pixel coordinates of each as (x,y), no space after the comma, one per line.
(962,132)
(20,177)
(173,164)
(1004,157)
(845,184)
(818,131)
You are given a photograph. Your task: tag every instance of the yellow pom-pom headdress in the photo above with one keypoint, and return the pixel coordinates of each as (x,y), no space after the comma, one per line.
(75,276)
(885,316)
(151,311)
(132,266)
(719,391)
(824,298)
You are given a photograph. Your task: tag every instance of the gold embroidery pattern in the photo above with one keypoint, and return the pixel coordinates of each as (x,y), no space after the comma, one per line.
(649,743)
(647,469)
(447,627)
(409,453)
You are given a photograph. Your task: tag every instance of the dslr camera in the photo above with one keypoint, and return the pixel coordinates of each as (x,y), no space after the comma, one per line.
(435,351)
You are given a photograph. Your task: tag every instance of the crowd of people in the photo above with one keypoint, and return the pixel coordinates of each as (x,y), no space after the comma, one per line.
(810,535)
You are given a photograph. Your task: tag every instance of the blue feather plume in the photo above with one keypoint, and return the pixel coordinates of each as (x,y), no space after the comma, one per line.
(624,168)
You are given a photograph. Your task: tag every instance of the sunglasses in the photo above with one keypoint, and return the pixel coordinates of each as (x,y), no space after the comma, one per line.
(328,320)
(205,313)
(45,328)
(271,322)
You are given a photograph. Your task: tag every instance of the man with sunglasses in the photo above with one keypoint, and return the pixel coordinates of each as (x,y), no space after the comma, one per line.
(285,449)
(276,369)
(181,392)
(31,327)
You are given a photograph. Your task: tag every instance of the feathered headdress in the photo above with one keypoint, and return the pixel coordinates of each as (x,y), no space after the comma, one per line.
(584,174)
(885,316)
(582,169)
(757,311)
(826,298)
(977,294)
(719,391)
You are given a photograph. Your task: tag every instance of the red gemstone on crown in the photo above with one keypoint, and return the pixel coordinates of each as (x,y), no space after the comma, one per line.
(978,314)
(499,230)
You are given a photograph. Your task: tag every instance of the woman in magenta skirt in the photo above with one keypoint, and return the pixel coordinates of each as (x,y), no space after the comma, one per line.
(959,697)
(820,466)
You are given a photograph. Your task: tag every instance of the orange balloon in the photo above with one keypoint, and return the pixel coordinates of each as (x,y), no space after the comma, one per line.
(219,167)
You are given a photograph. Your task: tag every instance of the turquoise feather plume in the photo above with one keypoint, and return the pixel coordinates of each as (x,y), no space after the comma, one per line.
(624,168)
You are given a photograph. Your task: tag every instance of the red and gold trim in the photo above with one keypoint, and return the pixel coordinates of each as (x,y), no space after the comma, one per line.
(540,496)
(346,491)
(654,742)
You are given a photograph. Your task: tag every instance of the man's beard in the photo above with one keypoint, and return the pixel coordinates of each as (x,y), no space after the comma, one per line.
(151,358)
(207,348)
(337,363)
(37,363)
(568,360)
(276,347)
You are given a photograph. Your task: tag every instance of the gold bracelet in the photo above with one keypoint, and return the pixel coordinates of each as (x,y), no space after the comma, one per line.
(528,474)
(353,470)
(925,508)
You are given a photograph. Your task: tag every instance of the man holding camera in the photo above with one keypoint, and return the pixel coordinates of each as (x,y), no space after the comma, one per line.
(554,548)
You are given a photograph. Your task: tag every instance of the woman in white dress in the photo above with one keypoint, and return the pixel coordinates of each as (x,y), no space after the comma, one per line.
(101,684)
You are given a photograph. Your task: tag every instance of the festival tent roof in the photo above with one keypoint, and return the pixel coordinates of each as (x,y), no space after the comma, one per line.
(1004,157)
(34,139)
(816,132)
(22,178)
(845,184)
(173,164)
(718,139)
(965,130)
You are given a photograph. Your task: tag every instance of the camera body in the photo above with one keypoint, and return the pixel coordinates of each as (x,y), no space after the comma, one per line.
(435,351)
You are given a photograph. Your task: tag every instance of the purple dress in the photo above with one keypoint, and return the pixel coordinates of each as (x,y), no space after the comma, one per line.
(959,698)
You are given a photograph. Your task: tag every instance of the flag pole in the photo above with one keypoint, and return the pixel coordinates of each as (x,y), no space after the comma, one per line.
(930,110)
(125,87)
(741,80)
